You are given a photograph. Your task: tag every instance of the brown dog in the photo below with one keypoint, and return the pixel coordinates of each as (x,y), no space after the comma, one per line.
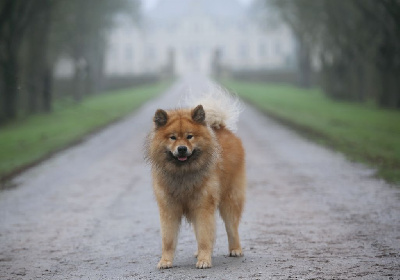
(198,167)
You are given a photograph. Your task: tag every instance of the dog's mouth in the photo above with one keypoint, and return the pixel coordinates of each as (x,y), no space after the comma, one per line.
(182,158)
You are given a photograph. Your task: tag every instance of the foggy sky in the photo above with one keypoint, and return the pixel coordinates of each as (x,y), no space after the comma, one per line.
(149,4)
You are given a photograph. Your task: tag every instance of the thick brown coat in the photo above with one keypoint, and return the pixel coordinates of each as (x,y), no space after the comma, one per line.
(211,177)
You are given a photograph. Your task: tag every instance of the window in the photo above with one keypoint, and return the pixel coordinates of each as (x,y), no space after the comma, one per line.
(243,50)
(262,49)
(151,52)
(277,48)
(129,53)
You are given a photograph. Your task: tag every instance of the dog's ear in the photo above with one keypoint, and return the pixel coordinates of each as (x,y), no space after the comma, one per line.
(160,118)
(198,114)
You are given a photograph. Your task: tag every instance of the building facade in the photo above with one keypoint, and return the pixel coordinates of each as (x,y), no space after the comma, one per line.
(192,36)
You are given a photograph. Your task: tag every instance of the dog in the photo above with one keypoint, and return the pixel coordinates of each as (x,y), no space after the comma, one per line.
(198,167)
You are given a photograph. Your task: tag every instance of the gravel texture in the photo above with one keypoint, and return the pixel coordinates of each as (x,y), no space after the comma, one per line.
(89,212)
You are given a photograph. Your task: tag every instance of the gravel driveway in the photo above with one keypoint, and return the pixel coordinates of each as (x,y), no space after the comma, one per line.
(89,212)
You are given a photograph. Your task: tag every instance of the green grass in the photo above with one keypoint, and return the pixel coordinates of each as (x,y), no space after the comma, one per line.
(363,132)
(28,140)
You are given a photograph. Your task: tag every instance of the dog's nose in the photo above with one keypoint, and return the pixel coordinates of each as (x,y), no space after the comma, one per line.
(182,149)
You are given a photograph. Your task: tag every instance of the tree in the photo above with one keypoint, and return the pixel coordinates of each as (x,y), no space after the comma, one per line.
(15,15)
(84,26)
(35,33)
(385,14)
(356,40)
(37,66)
(295,14)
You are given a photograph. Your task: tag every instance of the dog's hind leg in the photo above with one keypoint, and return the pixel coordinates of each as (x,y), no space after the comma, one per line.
(231,208)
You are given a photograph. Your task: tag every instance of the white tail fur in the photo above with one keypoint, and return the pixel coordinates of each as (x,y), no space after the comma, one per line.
(222,107)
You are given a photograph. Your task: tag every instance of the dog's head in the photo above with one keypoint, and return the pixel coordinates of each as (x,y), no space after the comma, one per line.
(181,140)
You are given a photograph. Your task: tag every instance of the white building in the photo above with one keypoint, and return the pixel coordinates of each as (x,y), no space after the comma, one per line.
(189,32)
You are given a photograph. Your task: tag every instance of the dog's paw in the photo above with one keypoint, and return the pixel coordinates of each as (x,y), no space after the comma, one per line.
(163,264)
(236,253)
(203,264)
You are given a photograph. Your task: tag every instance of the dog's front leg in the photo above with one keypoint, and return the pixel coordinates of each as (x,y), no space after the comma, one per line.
(204,227)
(170,219)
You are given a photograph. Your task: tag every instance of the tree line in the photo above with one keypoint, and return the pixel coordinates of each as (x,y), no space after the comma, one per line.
(356,44)
(34,34)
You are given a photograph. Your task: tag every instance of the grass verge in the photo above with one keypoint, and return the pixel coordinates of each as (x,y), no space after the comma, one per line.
(27,141)
(363,132)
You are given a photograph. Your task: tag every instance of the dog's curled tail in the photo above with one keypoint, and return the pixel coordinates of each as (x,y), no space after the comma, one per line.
(222,107)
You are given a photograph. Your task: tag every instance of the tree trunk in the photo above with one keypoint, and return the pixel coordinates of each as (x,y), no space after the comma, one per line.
(10,79)
(89,80)
(389,88)
(78,82)
(47,72)
(47,90)
(15,18)
(304,63)
(35,65)
(360,74)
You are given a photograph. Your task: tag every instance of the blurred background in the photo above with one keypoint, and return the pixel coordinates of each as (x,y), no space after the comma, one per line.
(58,54)
(52,49)
(55,48)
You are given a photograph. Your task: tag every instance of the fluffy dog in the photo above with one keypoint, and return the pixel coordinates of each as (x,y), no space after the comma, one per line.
(198,166)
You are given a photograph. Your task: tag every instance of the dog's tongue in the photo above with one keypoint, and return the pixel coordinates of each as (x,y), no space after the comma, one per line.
(182,158)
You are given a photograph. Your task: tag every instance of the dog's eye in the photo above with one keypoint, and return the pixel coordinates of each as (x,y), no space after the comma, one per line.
(172,138)
(189,137)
